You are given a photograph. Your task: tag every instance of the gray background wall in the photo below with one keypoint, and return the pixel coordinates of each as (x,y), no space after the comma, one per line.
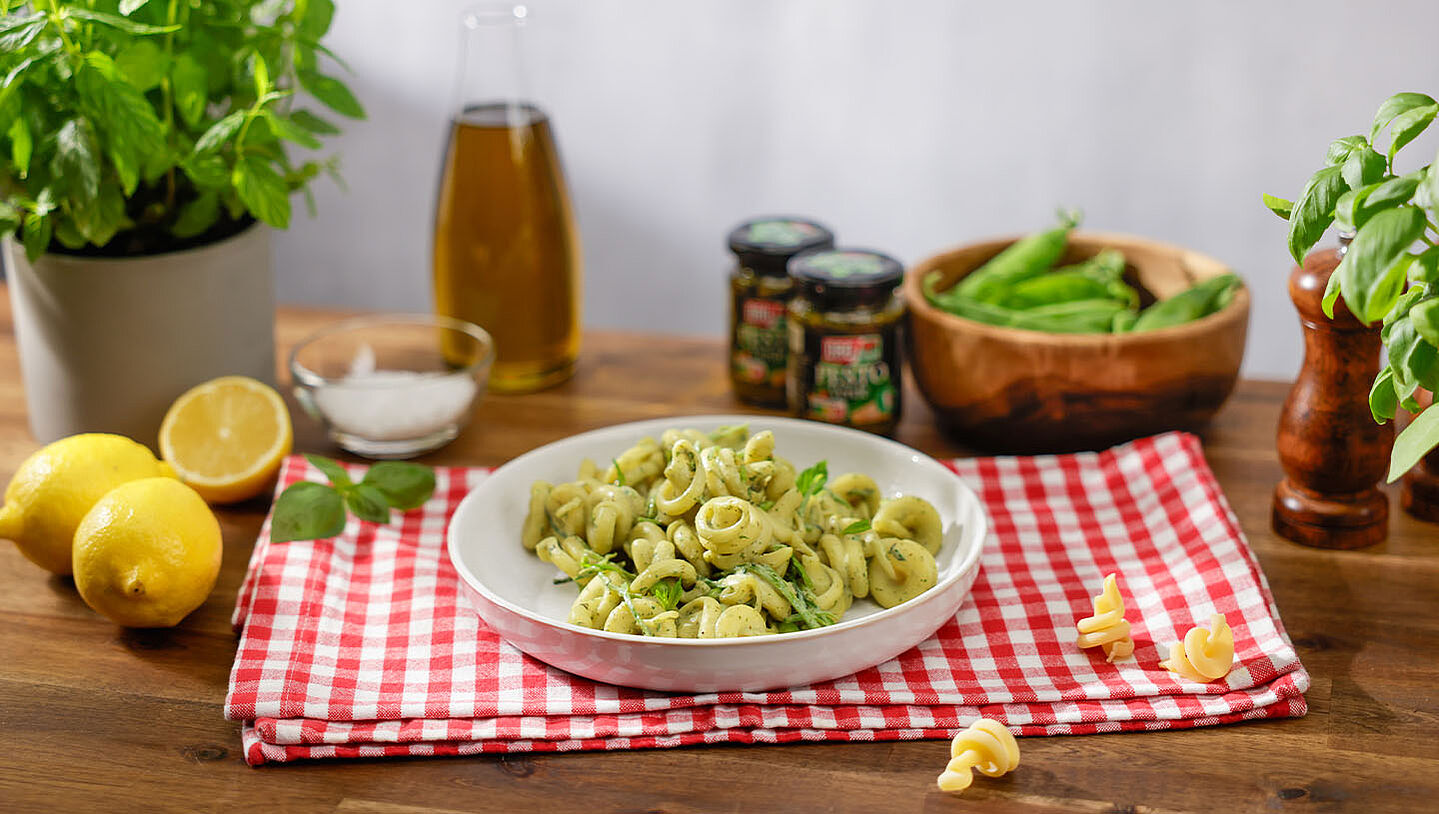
(907,126)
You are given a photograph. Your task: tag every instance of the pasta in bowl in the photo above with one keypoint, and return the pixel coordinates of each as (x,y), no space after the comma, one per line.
(699,556)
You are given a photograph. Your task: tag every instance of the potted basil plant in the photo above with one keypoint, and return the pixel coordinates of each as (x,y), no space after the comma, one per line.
(145,153)
(1390,271)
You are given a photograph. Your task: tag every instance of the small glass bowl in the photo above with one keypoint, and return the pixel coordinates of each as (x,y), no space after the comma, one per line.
(393,385)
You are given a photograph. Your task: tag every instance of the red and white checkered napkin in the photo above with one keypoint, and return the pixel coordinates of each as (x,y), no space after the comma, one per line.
(362,646)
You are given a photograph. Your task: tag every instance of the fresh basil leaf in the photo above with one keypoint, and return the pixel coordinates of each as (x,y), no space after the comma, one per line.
(103,217)
(117,107)
(22,146)
(1427,195)
(313,123)
(1368,286)
(857,527)
(76,162)
(1408,125)
(1314,211)
(197,215)
(114,21)
(1413,359)
(220,132)
(191,85)
(1279,206)
(36,235)
(332,470)
(126,167)
(1339,149)
(20,32)
(307,511)
(290,131)
(1416,441)
(1425,317)
(1383,402)
(812,480)
(1331,294)
(1425,268)
(1364,166)
(1407,300)
(1395,106)
(404,485)
(262,190)
(332,93)
(367,503)
(316,21)
(1390,193)
(143,64)
(208,172)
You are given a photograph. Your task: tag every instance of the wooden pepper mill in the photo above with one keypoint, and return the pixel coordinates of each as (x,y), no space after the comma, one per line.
(1420,495)
(1333,452)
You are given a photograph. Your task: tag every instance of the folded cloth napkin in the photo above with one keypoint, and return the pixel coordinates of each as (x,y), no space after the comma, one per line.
(362,645)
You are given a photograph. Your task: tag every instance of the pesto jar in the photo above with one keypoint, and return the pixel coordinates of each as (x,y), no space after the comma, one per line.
(844,323)
(760,289)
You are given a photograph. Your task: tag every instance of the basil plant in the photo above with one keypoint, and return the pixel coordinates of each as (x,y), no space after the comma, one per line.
(1390,272)
(142,126)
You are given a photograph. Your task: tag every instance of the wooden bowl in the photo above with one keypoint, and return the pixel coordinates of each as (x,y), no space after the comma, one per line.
(1012,390)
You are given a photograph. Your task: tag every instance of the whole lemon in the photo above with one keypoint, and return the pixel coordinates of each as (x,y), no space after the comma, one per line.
(147,553)
(59,483)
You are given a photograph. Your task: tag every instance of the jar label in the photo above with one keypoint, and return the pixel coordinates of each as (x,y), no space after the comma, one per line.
(761,342)
(852,381)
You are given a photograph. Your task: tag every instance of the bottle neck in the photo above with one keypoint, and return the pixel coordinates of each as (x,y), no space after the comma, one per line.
(492,72)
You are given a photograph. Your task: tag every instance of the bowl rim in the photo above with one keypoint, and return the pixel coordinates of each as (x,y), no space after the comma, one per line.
(307,377)
(1236,310)
(970,560)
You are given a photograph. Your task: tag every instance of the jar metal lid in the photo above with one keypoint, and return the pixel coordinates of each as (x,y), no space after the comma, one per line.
(846,276)
(766,244)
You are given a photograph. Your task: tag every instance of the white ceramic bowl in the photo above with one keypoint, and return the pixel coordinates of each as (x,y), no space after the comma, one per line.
(515,594)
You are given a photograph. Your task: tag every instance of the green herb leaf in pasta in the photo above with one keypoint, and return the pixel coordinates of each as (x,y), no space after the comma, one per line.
(667,591)
(857,527)
(619,472)
(812,480)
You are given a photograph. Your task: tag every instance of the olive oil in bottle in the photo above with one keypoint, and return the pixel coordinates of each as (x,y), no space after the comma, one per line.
(506,253)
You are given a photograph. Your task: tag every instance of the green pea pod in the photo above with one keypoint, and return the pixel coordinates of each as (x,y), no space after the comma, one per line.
(979,311)
(1061,286)
(1199,300)
(1027,257)
(1076,317)
(1106,267)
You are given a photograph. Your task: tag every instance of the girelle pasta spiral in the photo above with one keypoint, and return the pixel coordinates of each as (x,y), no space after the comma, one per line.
(1107,628)
(1204,655)
(985,746)
(714,535)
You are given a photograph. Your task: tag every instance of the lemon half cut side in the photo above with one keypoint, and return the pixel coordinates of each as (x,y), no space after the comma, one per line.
(226,438)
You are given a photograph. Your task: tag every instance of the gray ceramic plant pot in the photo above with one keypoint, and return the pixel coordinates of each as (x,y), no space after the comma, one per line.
(106,344)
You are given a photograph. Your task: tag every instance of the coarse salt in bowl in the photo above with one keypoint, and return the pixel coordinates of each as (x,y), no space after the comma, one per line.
(392,385)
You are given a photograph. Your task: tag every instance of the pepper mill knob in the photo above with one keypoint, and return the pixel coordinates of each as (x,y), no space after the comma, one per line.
(1333,452)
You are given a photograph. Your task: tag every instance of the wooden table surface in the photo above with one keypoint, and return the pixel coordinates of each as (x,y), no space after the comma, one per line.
(91,714)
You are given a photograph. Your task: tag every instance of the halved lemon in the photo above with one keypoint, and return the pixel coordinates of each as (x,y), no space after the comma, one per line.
(227,437)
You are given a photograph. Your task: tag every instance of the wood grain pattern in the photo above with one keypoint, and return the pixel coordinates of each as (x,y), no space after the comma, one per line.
(1011,390)
(92,716)
(1332,451)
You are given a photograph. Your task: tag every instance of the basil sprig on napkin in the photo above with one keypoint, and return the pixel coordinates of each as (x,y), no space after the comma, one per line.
(314,511)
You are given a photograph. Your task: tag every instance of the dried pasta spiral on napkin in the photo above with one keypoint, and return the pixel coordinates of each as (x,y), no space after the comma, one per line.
(715,535)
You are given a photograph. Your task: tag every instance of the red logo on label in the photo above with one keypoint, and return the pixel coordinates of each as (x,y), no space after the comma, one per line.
(846,350)
(762,313)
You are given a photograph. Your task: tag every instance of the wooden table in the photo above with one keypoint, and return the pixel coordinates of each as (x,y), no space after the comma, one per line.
(91,714)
